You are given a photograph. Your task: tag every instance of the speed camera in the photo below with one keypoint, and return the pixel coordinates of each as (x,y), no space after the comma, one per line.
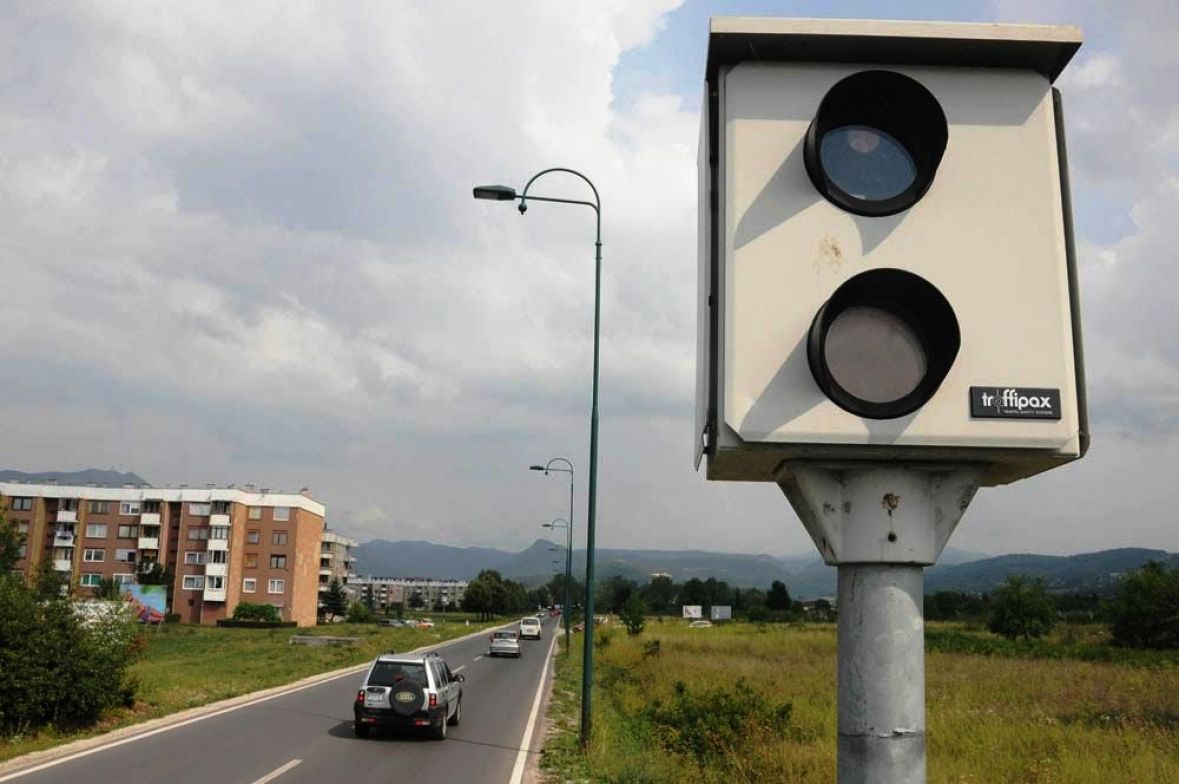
(886,256)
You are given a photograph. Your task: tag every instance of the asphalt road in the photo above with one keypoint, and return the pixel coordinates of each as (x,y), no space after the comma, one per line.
(314,726)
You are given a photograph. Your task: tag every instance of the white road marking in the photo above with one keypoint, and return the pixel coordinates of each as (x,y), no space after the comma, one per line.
(477,658)
(272,775)
(459,669)
(522,756)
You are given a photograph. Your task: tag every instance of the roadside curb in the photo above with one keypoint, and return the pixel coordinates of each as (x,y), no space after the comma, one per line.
(26,762)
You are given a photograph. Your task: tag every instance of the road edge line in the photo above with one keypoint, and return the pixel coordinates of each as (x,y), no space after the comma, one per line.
(522,755)
(36,761)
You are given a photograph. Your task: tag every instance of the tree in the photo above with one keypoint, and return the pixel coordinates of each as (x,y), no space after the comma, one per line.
(108,589)
(416,602)
(660,594)
(359,612)
(778,598)
(335,601)
(615,592)
(693,592)
(49,583)
(1145,612)
(1021,607)
(153,573)
(11,541)
(633,613)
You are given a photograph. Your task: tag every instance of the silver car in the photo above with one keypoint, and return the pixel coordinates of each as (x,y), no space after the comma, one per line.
(504,643)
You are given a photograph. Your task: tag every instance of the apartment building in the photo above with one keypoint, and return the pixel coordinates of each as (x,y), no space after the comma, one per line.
(335,560)
(384,592)
(222,546)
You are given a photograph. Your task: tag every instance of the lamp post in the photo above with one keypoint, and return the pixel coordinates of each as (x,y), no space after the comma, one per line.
(565,607)
(504,193)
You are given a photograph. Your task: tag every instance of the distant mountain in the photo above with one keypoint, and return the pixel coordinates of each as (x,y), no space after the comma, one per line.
(90,476)
(805,576)
(1090,572)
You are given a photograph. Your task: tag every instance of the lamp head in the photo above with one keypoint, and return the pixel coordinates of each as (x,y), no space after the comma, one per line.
(494,192)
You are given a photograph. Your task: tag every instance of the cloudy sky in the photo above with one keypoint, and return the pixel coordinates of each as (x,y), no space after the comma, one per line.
(237,244)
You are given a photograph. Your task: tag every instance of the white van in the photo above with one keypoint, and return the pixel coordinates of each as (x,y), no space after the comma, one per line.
(529,628)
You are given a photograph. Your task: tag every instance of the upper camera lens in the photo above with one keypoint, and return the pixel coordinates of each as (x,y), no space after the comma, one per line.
(875,143)
(866,163)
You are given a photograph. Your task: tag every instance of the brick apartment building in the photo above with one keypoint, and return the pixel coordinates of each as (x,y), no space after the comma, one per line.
(222,546)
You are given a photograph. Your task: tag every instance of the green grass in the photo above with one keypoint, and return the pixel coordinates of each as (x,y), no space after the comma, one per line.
(999,714)
(187,666)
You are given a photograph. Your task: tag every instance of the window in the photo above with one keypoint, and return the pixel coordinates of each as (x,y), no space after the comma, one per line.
(98,507)
(130,508)
(195,557)
(151,507)
(277,586)
(125,556)
(249,585)
(279,537)
(278,562)
(91,580)
(124,578)
(22,527)
(199,510)
(220,507)
(255,513)
(94,556)
(68,505)
(251,561)
(253,536)
(193,582)
(219,532)
(282,514)
(96,530)
(22,504)
(128,531)
(198,534)
(215,583)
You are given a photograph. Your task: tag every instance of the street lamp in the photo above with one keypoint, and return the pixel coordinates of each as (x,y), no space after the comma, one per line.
(559,523)
(504,193)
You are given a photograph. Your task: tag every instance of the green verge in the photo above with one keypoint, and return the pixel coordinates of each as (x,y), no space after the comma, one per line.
(1069,710)
(184,667)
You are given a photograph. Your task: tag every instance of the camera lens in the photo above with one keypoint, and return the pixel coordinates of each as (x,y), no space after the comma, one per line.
(873,354)
(875,144)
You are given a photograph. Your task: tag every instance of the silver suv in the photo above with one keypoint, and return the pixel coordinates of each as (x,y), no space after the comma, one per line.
(407,692)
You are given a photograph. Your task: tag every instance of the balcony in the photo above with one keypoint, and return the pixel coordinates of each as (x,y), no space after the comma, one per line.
(63,538)
(219,519)
(67,517)
(218,544)
(216,569)
(149,518)
(62,564)
(214,594)
(149,543)
(325,571)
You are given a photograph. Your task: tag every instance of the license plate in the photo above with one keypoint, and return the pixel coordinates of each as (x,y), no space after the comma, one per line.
(375,699)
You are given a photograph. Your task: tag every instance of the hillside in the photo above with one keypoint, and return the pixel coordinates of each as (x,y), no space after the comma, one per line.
(89,476)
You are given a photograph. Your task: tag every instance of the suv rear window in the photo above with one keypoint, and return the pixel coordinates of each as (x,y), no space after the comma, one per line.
(505,635)
(389,673)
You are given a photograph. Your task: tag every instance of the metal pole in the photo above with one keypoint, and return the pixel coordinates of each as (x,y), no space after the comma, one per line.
(587,675)
(568,567)
(881,674)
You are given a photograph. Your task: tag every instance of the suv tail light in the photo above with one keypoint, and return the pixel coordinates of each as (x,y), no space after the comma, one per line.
(433,700)
(360,696)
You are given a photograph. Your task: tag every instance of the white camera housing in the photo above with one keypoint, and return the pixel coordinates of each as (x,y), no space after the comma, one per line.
(992,233)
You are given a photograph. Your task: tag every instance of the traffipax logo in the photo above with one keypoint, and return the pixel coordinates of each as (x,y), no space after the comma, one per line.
(1014,403)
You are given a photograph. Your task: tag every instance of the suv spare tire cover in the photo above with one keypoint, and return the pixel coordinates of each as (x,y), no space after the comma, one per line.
(406,697)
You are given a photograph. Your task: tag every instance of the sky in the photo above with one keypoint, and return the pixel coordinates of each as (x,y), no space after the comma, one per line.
(238,245)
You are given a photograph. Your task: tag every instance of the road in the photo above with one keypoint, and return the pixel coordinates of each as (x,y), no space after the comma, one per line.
(306,736)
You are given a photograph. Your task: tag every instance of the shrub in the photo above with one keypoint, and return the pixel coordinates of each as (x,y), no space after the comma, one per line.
(55,668)
(172,618)
(1145,613)
(717,721)
(247,611)
(359,612)
(652,648)
(634,614)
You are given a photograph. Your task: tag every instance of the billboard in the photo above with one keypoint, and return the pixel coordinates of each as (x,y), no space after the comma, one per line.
(722,613)
(149,602)
(693,611)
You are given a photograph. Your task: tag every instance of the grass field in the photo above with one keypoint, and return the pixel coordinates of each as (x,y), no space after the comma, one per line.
(187,666)
(1006,715)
